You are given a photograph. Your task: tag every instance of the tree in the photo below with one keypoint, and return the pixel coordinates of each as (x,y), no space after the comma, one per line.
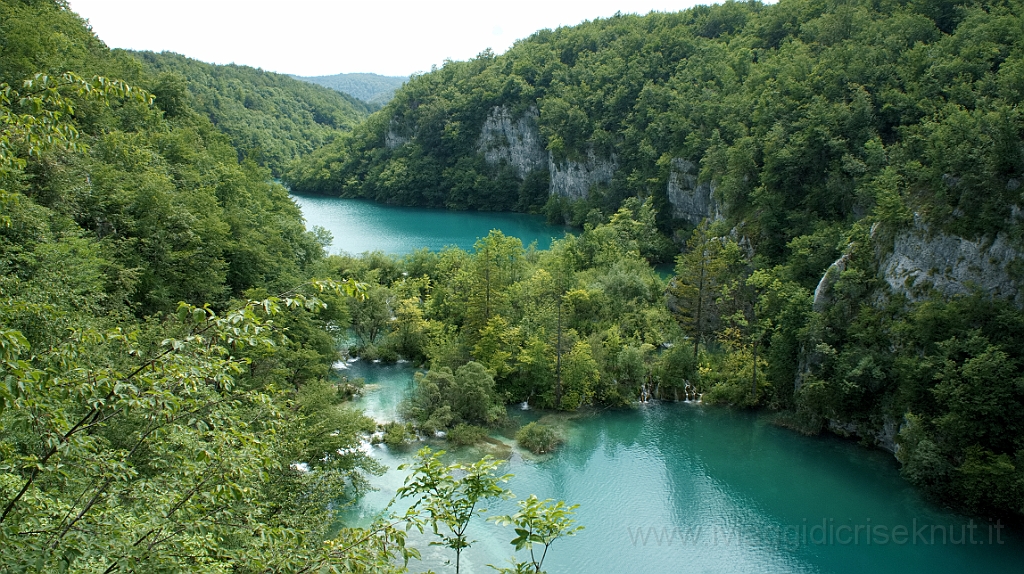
(497,263)
(443,399)
(580,375)
(371,316)
(537,438)
(638,231)
(49,109)
(450,495)
(45,122)
(498,346)
(700,274)
(411,330)
(117,452)
(538,522)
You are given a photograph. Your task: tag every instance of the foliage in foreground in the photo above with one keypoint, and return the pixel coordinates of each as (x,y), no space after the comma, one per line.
(449,496)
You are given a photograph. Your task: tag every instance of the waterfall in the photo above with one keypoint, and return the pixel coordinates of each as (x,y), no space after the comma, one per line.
(645,391)
(690,394)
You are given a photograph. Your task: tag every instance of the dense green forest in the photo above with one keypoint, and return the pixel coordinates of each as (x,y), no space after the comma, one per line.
(861,237)
(803,114)
(374,89)
(270,118)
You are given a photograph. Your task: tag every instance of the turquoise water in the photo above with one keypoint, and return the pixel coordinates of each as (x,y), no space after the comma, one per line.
(359,225)
(673,487)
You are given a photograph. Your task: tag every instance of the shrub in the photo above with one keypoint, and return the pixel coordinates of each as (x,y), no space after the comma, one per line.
(537,438)
(464,434)
(396,433)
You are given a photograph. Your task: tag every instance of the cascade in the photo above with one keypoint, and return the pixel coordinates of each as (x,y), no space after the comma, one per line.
(690,394)
(645,392)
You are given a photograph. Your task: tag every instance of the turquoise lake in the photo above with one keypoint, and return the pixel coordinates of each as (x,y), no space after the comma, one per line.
(679,487)
(359,225)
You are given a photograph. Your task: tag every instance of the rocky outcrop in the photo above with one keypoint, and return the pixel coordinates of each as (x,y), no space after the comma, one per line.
(883,437)
(691,201)
(393,140)
(922,262)
(574,179)
(810,356)
(823,292)
(513,141)
(517,143)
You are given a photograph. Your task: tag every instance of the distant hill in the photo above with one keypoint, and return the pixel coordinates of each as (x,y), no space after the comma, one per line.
(270,117)
(372,88)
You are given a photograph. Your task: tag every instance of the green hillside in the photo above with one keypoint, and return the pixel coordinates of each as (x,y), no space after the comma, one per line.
(374,89)
(271,118)
(800,113)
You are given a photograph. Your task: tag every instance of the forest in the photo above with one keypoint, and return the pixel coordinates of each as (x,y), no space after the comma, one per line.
(167,323)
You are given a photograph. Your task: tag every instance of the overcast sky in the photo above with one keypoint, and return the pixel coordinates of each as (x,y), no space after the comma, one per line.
(321,37)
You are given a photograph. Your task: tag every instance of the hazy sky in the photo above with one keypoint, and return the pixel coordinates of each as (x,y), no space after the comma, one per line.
(321,37)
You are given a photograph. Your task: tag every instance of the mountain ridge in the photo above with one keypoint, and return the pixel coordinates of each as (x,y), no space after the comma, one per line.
(375,89)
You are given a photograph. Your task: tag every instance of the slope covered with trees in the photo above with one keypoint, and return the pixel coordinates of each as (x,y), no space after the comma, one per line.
(270,118)
(855,261)
(373,89)
(802,113)
(151,405)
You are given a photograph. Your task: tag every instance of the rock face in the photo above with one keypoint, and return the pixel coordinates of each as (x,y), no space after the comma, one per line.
(823,292)
(691,201)
(883,437)
(517,142)
(505,139)
(921,261)
(513,141)
(573,179)
(393,140)
(923,264)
